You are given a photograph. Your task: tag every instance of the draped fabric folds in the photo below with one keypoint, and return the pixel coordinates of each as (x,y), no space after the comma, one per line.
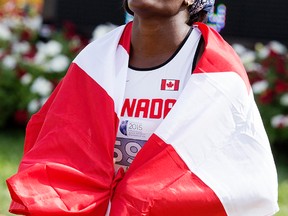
(209,156)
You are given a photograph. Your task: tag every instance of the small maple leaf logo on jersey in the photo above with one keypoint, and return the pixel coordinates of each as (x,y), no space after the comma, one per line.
(170,85)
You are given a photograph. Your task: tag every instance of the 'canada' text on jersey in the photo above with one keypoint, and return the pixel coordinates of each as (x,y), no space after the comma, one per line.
(147,108)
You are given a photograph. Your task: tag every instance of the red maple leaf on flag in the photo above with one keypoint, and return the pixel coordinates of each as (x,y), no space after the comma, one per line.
(170,84)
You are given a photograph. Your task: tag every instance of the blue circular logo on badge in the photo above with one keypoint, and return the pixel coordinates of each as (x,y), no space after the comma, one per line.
(123,127)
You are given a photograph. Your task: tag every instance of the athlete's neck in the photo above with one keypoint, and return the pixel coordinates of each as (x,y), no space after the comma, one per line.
(154,41)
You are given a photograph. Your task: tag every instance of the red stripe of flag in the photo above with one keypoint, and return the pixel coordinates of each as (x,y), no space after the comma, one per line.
(158,182)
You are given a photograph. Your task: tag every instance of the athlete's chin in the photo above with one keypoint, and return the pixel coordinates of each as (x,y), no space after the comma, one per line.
(146,8)
(141,3)
(153,14)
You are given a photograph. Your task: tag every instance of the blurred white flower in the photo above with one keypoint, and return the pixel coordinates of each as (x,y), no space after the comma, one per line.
(50,48)
(248,57)
(279,121)
(58,64)
(284,100)
(101,30)
(277,47)
(21,47)
(9,62)
(53,48)
(75,42)
(34,23)
(26,79)
(253,66)
(260,86)
(33,106)
(5,33)
(12,22)
(42,86)
(262,51)
(239,49)
(40,58)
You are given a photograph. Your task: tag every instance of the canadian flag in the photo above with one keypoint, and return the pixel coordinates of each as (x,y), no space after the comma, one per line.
(170,85)
(210,156)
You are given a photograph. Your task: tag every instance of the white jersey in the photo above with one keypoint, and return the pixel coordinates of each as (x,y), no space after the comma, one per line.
(149,96)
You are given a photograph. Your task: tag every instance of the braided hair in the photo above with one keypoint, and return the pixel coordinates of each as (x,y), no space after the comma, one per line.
(200,16)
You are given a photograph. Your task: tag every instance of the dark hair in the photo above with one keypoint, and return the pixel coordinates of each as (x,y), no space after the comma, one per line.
(126,7)
(201,16)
